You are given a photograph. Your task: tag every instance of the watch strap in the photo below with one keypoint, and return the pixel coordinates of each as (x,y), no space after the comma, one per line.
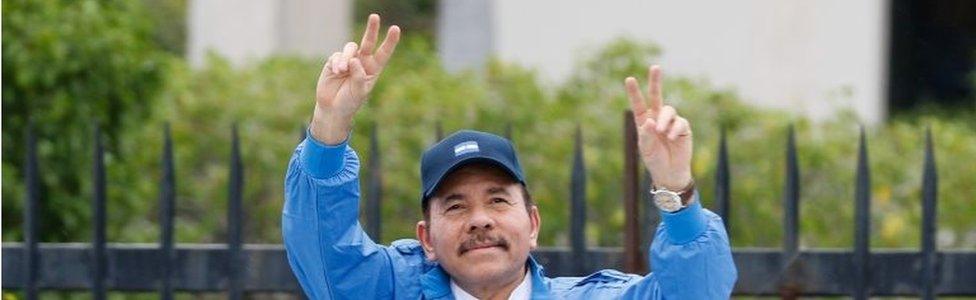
(687,193)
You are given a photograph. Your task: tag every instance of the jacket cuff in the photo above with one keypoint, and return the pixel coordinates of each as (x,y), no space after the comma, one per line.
(685,225)
(321,160)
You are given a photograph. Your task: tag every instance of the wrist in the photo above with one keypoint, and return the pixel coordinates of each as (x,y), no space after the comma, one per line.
(329,128)
(675,183)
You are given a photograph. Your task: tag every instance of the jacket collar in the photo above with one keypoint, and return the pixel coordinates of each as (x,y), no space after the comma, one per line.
(436,283)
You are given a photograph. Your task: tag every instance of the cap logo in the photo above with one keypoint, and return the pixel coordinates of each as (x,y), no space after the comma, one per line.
(465,148)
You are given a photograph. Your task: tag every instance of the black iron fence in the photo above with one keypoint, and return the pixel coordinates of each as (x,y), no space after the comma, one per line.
(235,268)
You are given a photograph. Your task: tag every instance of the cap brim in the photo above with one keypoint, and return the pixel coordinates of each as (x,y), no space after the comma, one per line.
(467,161)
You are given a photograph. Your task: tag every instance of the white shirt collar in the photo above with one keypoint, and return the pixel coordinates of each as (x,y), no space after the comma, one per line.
(522,292)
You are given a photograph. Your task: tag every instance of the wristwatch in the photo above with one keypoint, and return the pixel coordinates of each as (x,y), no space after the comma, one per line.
(672,201)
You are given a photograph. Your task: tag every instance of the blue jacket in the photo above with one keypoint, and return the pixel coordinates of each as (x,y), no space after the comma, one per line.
(333,258)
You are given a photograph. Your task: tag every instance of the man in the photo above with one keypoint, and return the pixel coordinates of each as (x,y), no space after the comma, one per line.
(479,221)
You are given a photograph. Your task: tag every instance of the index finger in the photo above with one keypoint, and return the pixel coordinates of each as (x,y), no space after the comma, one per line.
(636,99)
(369,36)
(654,87)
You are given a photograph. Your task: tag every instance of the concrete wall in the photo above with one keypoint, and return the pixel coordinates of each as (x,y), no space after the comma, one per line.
(464,34)
(809,57)
(244,30)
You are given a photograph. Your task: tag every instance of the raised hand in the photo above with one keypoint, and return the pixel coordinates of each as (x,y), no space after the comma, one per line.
(346,80)
(663,137)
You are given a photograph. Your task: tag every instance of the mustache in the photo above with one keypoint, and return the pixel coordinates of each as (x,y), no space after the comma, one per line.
(482,240)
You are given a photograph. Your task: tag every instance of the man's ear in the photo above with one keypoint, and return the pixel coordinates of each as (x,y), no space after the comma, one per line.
(536,223)
(423,235)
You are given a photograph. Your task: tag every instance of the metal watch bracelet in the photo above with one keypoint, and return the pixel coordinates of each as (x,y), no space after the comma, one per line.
(685,193)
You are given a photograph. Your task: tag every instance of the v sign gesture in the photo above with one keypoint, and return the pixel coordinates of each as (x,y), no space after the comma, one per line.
(663,137)
(347,79)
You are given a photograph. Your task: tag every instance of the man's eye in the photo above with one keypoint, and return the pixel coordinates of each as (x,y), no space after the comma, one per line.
(499,200)
(453,207)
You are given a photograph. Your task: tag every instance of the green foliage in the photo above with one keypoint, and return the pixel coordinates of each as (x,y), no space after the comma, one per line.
(267,101)
(67,65)
(416,96)
(418,17)
(270,101)
(169,23)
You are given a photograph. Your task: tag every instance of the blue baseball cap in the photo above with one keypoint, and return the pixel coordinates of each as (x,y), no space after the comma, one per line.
(462,148)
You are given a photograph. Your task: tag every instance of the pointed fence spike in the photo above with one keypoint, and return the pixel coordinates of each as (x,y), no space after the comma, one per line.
(235,224)
(167,208)
(791,198)
(98,217)
(789,287)
(930,186)
(862,221)
(32,212)
(374,187)
(577,187)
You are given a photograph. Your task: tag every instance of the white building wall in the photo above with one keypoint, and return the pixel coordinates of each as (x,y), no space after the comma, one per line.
(245,30)
(809,57)
(464,34)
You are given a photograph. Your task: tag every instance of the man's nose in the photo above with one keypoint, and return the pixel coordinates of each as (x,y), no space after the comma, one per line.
(480,220)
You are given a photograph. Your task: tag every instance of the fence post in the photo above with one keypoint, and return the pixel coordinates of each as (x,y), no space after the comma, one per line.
(650,217)
(167,207)
(791,214)
(98,218)
(633,262)
(374,188)
(235,263)
(862,222)
(31,210)
(722,182)
(577,224)
(930,189)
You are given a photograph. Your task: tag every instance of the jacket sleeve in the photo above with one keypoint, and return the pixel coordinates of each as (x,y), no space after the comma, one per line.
(329,253)
(691,257)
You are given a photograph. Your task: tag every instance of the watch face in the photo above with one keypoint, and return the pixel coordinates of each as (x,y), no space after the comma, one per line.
(667,201)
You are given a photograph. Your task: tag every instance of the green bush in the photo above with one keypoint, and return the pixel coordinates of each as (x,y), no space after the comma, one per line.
(271,100)
(66,66)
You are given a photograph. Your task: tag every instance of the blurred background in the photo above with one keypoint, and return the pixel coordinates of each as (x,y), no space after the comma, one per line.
(540,68)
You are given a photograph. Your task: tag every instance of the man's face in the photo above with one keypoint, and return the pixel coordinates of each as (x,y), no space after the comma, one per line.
(479,229)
